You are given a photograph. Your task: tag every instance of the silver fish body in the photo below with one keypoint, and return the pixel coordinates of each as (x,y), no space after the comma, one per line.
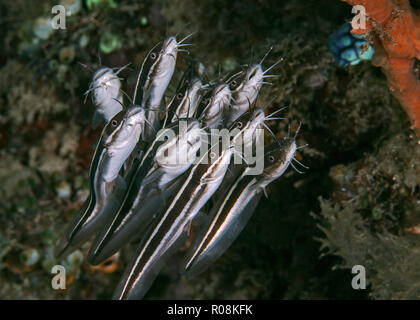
(153,182)
(213,106)
(117,141)
(224,225)
(106,94)
(247,124)
(202,181)
(232,212)
(245,137)
(122,143)
(177,154)
(153,79)
(245,87)
(186,100)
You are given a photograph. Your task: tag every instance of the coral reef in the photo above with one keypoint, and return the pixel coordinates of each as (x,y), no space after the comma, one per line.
(391,262)
(393,27)
(372,214)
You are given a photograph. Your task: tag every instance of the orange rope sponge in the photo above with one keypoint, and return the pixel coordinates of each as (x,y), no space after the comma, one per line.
(394,28)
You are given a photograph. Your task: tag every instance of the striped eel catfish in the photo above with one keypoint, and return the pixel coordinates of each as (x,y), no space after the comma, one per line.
(117,141)
(188,95)
(155,179)
(200,183)
(155,74)
(106,94)
(247,123)
(245,86)
(185,102)
(232,212)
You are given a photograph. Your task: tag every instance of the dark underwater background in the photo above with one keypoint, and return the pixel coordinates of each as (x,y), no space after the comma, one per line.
(358,204)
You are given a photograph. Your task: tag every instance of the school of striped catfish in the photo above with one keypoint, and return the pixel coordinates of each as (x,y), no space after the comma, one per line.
(140,188)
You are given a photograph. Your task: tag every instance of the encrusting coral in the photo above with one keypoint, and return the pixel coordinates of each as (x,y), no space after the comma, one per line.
(394,28)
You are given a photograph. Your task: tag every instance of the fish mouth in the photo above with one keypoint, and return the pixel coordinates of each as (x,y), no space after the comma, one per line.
(170,46)
(255,75)
(288,146)
(259,115)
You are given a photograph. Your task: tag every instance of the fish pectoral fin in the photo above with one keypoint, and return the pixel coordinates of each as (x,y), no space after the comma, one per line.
(265,192)
(152,177)
(200,221)
(187,228)
(165,102)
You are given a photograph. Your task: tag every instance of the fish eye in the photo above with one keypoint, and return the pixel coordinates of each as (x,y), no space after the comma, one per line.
(153,56)
(179,96)
(212,155)
(239,124)
(165,138)
(114,123)
(271,158)
(234,83)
